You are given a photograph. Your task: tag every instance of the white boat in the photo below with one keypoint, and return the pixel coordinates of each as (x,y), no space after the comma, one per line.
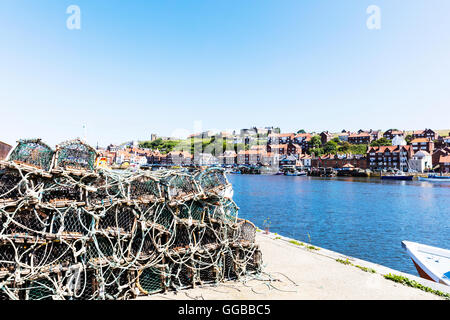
(432,263)
(435,178)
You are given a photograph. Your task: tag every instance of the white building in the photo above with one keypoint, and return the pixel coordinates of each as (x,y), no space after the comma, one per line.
(421,161)
(399,141)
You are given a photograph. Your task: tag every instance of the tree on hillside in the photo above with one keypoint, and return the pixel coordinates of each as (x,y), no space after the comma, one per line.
(330,147)
(381,142)
(301,131)
(408,138)
(316,142)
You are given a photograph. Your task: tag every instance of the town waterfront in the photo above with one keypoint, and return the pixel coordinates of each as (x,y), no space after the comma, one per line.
(364,218)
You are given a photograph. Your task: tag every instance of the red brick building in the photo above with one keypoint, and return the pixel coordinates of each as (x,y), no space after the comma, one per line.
(444,164)
(389,157)
(340,161)
(427,133)
(424,144)
(360,138)
(4,150)
(391,134)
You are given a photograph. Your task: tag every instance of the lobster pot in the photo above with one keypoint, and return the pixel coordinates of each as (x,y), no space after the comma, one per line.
(60,189)
(164,216)
(100,248)
(182,276)
(118,217)
(83,284)
(8,256)
(43,288)
(51,254)
(107,188)
(142,246)
(225,210)
(74,221)
(193,210)
(145,189)
(230,264)
(32,152)
(254,264)
(5,297)
(150,280)
(25,222)
(184,236)
(211,234)
(75,155)
(210,179)
(180,187)
(246,231)
(11,185)
(115,281)
(208,267)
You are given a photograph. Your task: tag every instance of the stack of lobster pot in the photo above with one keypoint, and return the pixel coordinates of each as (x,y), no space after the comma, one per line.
(70,230)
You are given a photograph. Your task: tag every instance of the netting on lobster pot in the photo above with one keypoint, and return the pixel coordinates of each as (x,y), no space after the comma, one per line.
(207,265)
(246,230)
(51,254)
(83,283)
(145,188)
(108,188)
(26,222)
(32,152)
(230,261)
(115,281)
(180,186)
(61,189)
(8,256)
(182,276)
(212,233)
(224,209)
(183,237)
(119,217)
(100,247)
(142,245)
(150,280)
(254,263)
(75,154)
(164,216)
(72,220)
(193,210)
(41,289)
(11,184)
(211,178)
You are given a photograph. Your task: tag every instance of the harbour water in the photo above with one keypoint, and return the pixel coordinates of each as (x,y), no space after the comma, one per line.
(361,217)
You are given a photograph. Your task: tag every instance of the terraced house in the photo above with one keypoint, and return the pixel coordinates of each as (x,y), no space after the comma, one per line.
(360,138)
(392,133)
(427,133)
(389,157)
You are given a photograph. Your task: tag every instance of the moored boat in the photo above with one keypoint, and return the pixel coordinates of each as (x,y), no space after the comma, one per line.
(397,176)
(295,173)
(432,263)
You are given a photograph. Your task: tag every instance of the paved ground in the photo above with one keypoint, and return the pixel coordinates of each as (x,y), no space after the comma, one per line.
(308,274)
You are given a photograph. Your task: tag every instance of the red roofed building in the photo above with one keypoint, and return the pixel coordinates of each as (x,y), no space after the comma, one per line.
(444,164)
(360,138)
(424,144)
(389,157)
(427,133)
(391,134)
(280,138)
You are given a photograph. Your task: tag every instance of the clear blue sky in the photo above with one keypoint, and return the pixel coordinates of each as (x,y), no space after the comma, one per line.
(138,67)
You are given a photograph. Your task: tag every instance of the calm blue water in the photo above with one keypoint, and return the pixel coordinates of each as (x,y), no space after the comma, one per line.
(360,217)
